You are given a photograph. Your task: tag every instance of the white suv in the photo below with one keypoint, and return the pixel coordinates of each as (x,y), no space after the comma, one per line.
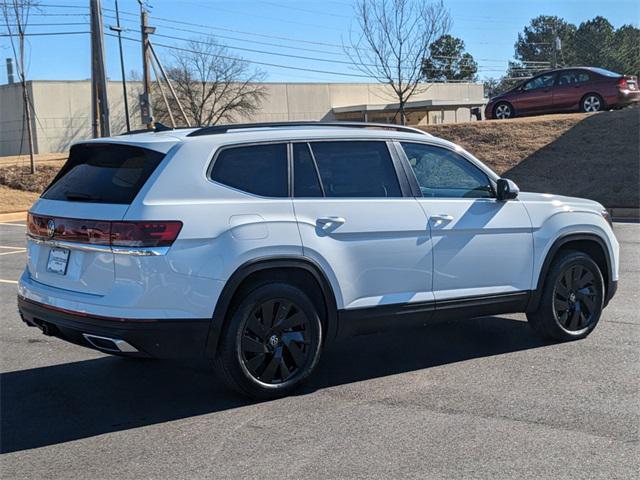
(256,246)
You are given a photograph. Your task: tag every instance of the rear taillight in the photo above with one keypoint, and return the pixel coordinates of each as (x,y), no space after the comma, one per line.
(622,84)
(144,234)
(98,232)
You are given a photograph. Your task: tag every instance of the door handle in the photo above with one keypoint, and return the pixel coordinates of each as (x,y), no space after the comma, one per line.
(330,221)
(441,218)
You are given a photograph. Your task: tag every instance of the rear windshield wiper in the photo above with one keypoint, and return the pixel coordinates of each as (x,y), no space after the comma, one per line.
(82,197)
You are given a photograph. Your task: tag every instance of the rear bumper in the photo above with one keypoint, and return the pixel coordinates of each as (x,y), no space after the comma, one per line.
(155,338)
(626,97)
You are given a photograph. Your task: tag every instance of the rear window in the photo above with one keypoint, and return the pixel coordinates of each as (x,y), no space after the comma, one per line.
(356,169)
(103,173)
(606,73)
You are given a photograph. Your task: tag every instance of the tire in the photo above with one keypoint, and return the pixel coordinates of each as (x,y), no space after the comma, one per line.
(502,111)
(591,102)
(572,298)
(272,342)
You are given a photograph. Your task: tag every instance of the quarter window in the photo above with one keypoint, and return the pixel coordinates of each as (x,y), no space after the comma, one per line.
(356,169)
(258,169)
(443,173)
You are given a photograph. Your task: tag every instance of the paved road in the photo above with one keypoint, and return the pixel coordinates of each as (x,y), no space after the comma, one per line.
(466,399)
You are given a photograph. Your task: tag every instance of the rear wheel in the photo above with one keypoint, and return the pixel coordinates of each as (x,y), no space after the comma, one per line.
(502,111)
(272,342)
(592,102)
(572,298)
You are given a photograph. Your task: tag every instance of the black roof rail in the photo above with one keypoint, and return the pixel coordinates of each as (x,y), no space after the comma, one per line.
(158,127)
(217,129)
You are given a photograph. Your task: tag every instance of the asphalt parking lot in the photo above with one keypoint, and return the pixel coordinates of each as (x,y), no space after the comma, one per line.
(479,398)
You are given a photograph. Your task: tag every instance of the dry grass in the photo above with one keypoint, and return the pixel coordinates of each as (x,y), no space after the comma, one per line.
(12,200)
(20,178)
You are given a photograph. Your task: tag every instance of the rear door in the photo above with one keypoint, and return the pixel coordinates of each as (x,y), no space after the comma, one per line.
(360,224)
(536,95)
(69,226)
(571,85)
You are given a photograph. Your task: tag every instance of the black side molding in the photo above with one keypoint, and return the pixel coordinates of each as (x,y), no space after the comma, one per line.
(375,319)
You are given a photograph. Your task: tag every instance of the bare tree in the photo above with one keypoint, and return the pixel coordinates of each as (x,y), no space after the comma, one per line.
(16,18)
(212,84)
(393,41)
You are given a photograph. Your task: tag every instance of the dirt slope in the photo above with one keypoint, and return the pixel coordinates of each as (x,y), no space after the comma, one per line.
(595,156)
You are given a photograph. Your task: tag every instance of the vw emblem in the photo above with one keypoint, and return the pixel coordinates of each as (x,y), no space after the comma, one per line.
(51,228)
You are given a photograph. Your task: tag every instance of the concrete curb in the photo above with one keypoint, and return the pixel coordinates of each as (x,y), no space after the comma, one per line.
(13,217)
(625,214)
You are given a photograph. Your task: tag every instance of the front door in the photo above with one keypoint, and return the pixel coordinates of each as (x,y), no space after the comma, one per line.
(536,95)
(359,224)
(482,247)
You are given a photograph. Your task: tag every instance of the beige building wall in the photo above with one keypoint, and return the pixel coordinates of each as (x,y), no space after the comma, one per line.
(63,108)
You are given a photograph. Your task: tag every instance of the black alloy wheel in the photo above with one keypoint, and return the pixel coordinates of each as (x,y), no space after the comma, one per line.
(274,345)
(272,342)
(572,298)
(576,298)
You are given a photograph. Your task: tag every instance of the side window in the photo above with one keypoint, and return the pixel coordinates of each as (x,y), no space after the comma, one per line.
(583,77)
(572,78)
(567,78)
(543,81)
(443,173)
(258,169)
(305,177)
(356,169)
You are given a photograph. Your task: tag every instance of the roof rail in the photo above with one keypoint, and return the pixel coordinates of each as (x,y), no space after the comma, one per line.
(217,129)
(158,127)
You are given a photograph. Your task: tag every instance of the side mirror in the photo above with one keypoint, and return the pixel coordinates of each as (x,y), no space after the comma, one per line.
(507,189)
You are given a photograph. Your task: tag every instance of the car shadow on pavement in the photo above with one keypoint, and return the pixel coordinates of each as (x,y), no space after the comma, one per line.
(56,404)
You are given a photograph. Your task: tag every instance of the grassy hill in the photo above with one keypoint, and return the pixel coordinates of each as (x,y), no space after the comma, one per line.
(594,156)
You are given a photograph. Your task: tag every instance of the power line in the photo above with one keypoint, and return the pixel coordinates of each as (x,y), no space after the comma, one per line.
(227,57)
(41,34)
(278,45)
(48,24)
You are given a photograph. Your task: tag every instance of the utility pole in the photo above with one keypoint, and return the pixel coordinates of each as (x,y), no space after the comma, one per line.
(98,74)
(145,98)
(119,29)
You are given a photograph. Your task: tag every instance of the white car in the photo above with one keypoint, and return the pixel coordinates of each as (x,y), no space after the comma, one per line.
(256,246)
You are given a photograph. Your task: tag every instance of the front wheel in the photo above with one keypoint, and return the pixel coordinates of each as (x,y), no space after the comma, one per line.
(272,342)
(572,298)
(503,111)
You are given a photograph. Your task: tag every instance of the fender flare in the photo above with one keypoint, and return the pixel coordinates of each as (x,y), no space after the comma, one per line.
(536,294)
(266,263)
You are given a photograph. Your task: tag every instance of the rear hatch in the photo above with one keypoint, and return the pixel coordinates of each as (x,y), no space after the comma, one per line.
(70,226)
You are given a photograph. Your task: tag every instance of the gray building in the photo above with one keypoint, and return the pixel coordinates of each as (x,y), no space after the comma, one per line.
(63,114)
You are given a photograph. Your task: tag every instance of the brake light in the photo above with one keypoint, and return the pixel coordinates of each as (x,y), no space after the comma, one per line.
(622,84)
(144,234)
(99,232)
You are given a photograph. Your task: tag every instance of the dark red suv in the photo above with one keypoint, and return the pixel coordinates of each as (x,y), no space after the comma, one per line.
(571,89)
